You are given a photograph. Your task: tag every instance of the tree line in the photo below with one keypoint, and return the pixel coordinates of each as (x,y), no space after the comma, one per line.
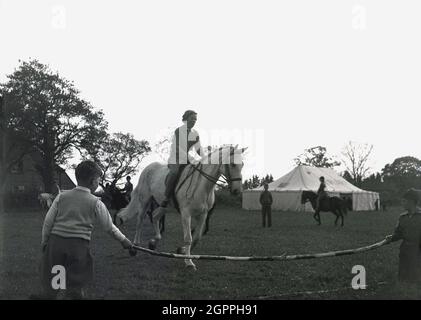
(42,112)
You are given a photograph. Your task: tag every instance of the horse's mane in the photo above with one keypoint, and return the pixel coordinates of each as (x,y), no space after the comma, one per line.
(205,158)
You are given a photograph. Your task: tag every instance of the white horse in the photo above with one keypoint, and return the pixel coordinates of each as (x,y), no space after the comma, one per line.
(46,199)
(194,194)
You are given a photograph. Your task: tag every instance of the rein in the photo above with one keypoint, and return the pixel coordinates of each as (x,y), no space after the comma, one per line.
(209,177)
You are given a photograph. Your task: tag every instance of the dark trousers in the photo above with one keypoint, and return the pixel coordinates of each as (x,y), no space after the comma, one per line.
(267,214)
(74,255)
(172,179)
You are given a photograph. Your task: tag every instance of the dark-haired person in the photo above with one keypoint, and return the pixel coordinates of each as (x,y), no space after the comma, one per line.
(67,229)
(128,189)
(266,201)
(408,230)
(321,192)
(185,149)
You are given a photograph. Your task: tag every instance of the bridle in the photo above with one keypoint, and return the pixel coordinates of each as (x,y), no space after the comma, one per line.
(227,176)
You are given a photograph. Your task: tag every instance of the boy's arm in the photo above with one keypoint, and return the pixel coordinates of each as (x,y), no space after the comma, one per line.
(49,221)
(104,219)
(397,233)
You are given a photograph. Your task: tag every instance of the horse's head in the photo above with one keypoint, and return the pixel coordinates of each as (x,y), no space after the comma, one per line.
(231,160)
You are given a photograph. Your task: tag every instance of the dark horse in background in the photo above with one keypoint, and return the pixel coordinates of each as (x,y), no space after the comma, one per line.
(330,204)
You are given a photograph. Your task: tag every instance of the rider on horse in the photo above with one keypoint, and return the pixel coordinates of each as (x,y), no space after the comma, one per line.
(185,149)
(321,193)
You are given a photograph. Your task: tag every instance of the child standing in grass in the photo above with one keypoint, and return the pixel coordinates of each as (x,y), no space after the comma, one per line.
(408,230)
(67,229)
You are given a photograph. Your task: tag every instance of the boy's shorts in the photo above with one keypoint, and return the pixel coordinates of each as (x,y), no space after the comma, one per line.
(71,253)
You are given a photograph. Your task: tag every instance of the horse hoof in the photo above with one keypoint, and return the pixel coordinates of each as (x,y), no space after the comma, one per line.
(191,267)
(132,252)
(180,250)
(152,244)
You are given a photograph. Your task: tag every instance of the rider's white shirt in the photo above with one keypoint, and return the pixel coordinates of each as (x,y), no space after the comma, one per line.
(192,154)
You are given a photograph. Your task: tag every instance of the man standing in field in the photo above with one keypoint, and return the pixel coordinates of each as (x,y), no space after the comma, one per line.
(128,189)
(408,230)
(266,202)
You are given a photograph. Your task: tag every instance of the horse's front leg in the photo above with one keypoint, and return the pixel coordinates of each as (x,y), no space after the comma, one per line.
(317,217)
(337,217)
(207,220)
(198,231)
(137,238)
(186,223)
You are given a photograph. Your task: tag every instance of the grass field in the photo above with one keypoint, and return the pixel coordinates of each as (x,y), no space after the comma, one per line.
(233,232)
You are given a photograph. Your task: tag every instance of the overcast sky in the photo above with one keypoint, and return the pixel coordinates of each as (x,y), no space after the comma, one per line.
(278,76)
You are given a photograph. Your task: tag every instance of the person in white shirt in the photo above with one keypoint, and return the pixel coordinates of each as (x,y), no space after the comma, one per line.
(185,149)
(67,229)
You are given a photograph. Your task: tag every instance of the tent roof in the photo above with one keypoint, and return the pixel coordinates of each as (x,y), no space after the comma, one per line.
(307,178)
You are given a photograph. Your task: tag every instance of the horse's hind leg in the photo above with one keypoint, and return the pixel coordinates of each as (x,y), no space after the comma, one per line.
(162,224)
(315,217)
(157,214)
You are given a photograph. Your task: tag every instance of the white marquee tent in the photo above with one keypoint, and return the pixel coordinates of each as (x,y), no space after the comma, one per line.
(286,191)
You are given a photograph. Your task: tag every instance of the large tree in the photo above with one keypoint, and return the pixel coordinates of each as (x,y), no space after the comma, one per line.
(355,159)
(13,146)
(49,113)
(316,157)
(119,156)
(403,173)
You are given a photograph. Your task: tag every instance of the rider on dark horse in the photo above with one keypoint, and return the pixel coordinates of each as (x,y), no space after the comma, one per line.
(321,193)
(185,149)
